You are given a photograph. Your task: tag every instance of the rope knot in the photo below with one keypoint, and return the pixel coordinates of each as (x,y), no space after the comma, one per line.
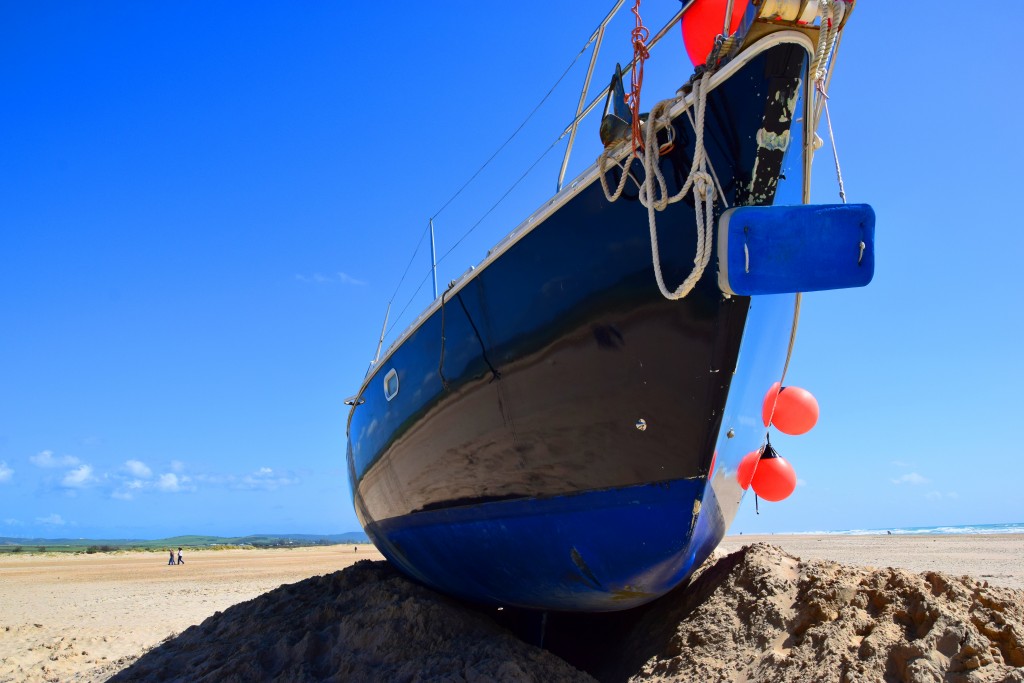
(704,186)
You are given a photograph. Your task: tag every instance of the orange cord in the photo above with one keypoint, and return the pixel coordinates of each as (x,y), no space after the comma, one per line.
(640,36)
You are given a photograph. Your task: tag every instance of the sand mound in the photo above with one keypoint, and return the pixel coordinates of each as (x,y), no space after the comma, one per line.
(762,615)
(756,615)
(365,623)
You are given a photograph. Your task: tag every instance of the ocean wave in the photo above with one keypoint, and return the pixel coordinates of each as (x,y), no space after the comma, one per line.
(1011,528)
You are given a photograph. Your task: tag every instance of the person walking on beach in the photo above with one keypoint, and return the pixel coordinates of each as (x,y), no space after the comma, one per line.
(180,561)
(172,557)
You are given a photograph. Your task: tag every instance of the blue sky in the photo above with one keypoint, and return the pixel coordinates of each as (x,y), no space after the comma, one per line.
(205,208)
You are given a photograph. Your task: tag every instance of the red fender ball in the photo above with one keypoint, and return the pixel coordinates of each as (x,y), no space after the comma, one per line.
(703,22)
(747,467)
(796,411)
(774,479)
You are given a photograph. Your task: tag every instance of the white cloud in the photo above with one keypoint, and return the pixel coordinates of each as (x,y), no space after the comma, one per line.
(47,459)
(138,469)
(939,495)
(911,478)
(266,479)
(80,477)
(10,521)
(54,520)
(347,279)
(172,483)
(168,482)
(315,278)
(130,487)
(137,478)
(318,279)
(5,472)
(263,479)
(214,479)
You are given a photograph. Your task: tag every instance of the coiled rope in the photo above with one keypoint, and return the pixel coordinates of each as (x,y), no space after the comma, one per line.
(832,13)
(654,191)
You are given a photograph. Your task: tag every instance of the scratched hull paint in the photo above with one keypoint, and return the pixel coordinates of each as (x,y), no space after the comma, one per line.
(509,468)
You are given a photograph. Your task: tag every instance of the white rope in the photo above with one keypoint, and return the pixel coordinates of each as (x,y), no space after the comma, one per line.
(656,198)
(654,190)
(832,13)
(603,166)
(711,167)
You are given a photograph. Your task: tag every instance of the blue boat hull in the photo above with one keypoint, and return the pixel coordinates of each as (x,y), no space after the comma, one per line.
(603,550)
(581,552)
(554,434)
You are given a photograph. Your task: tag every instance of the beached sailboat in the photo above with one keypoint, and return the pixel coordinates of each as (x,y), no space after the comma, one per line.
(562,428)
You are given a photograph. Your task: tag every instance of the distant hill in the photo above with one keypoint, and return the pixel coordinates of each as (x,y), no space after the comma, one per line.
(260,540)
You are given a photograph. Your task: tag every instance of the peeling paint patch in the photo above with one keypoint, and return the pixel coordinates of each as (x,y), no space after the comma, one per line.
(772,141)
(787,114)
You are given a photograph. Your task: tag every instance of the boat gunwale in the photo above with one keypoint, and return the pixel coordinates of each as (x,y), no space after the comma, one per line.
(582,181)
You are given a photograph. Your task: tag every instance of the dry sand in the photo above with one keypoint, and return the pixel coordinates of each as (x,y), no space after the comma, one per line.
(995,558)
(758,614)
(761,614)
(63,615)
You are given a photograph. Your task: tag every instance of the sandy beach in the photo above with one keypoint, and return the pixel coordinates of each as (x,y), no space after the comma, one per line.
(995,558)
(85,617)
(64,615)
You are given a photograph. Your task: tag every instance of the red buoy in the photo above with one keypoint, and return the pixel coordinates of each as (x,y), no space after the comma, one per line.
(747,467)
(703,22)
(792,410)
(774,479)
(796,411)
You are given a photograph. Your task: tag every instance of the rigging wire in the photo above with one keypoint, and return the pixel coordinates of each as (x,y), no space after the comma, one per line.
(471,229)
(640,36)
(412,298)
(407,265)
(502,198)
(474,176)
(521,125)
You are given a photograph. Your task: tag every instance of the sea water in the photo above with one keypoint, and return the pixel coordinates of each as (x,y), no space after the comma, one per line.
(1011,528)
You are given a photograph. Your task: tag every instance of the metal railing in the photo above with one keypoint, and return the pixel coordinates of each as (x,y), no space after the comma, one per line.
(596,38)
